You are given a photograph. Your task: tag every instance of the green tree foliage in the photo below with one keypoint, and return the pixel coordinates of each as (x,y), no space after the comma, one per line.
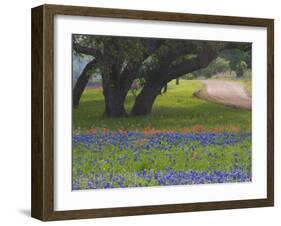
(216,66)
(109,51)
(240,68)
(229,60)
(239,60)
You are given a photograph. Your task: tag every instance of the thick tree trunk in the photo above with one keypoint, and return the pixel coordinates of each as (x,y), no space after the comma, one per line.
(82,83)
(114,97)
(146,98)
(114,103)
(177,81)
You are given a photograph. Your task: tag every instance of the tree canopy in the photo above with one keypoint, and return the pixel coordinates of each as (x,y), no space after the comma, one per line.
(154,62)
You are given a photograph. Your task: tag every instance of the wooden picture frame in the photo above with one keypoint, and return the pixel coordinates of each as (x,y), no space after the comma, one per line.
(42,203)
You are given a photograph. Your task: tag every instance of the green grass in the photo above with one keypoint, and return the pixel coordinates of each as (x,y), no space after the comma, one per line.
(177,108)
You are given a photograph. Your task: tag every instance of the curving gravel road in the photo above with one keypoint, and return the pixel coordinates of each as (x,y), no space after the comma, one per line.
(225,92)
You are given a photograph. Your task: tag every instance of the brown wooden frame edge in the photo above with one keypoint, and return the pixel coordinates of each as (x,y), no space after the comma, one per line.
(42,194)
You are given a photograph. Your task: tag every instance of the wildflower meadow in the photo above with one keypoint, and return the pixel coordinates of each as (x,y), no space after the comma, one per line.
(184,141)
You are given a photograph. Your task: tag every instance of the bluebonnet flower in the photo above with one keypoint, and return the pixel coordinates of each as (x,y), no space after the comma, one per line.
(195,146)
(90,184)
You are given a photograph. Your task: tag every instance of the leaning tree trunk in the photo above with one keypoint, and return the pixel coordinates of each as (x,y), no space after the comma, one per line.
(152,89)
(82,83)
(146,98)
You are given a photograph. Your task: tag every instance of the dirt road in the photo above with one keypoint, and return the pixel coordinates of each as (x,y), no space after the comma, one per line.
(225,92)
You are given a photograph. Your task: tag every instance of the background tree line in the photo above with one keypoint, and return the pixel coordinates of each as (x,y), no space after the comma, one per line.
(228,61)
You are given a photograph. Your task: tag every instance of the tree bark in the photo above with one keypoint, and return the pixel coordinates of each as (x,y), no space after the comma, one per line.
(82,83)
(146,98)
(114,91)
(114,102)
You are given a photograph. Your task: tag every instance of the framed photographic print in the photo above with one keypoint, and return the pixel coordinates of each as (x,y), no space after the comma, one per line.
(141,112)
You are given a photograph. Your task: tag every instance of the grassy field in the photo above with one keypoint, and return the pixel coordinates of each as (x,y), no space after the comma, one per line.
(177,108)
(184,140)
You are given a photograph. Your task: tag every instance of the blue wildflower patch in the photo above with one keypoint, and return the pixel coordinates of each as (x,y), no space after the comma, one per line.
(137,159)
